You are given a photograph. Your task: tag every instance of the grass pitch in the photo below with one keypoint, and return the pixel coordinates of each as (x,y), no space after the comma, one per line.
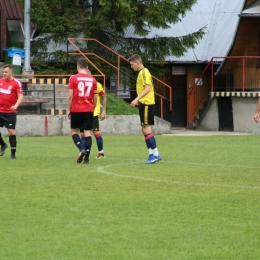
(200,202)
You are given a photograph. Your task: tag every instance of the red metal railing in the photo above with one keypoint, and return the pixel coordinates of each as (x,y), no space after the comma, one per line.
(233,73)
(161,96)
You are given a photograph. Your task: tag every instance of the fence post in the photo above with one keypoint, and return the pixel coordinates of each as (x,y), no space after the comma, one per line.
(212,76)
(243,75)
(54,97)
(162,108)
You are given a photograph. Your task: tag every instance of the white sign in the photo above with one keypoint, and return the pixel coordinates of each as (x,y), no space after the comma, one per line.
(200,82)
(178,70)
(17,60)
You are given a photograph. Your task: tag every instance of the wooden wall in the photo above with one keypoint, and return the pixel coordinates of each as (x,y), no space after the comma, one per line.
(9,10)
(249,3)
(247,43)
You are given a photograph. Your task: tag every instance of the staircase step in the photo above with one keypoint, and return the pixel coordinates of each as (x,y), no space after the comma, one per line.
(46,87)
(54,112)
(58,100)
(51,106)
(46,90)
(205,103)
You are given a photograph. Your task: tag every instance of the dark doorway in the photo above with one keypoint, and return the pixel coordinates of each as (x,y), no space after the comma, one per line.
(225,113)
(179,101)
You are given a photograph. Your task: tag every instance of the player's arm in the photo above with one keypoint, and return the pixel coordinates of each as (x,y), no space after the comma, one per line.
(104,107)
(70,97)
(256,116)
(146,90)
(18,102)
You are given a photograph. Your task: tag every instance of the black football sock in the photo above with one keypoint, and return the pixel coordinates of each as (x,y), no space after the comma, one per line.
(88,141)
(2,143)
(77,141)
(13,143)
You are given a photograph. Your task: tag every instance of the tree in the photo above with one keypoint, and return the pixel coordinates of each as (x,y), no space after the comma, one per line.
(108,21)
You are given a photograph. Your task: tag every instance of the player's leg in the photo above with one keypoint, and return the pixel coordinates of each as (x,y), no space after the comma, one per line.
(99,141)
(98,137)
(82,137)
(3,146)
(2,142)
(12,142)
(87,126)
(9,121)
(75,125)
(147,120)
(145,130)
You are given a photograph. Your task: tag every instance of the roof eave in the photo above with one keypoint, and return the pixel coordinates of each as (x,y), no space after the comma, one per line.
(249,15)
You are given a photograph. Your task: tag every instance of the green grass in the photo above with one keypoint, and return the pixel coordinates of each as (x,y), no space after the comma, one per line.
(117,106)
(200,202)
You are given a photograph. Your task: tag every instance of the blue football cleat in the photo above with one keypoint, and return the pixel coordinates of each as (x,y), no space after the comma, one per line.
(158,158)
(151,159)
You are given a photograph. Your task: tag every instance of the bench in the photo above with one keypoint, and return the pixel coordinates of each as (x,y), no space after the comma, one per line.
(39,102)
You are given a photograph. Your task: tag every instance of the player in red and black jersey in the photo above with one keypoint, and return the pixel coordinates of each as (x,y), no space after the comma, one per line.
(11,96)
(82,100)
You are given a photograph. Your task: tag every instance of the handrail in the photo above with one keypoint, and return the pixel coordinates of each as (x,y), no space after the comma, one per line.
(198,80)
(101,74)
(211,88)
(70,40)
(161,103)
(191,102)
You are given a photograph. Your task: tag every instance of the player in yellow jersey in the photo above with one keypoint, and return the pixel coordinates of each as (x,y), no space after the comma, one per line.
(145,100)
(99,114)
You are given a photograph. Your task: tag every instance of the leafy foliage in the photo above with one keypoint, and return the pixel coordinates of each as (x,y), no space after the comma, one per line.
(108,22)
(117,106)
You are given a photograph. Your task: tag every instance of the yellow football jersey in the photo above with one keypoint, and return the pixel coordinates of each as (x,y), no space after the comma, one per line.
(100,92)
(145,78)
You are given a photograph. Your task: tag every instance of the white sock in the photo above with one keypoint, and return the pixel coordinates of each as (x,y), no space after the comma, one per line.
(155,152)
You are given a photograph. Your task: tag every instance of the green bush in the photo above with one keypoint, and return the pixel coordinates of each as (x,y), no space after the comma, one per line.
(117,106)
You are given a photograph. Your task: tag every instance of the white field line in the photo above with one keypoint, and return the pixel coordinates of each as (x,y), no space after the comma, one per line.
(103,169)
(215,165)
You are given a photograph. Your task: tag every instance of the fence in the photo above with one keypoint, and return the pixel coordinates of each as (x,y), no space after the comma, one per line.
(50,83)
(225,74)
(163,91)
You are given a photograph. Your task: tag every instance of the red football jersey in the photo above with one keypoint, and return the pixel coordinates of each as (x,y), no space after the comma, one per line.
(84,86)
(8,94)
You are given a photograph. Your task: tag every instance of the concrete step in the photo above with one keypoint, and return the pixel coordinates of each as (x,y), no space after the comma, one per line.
(54,112)
(38,94)
(46,90)
(39,87)
(58,100)
(47,94)
(51,106)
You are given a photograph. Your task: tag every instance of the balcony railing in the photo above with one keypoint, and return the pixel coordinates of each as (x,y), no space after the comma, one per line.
(233,73)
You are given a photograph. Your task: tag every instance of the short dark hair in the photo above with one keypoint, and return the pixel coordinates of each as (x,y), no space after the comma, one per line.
(7,66)
(82,63)
(135,57)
